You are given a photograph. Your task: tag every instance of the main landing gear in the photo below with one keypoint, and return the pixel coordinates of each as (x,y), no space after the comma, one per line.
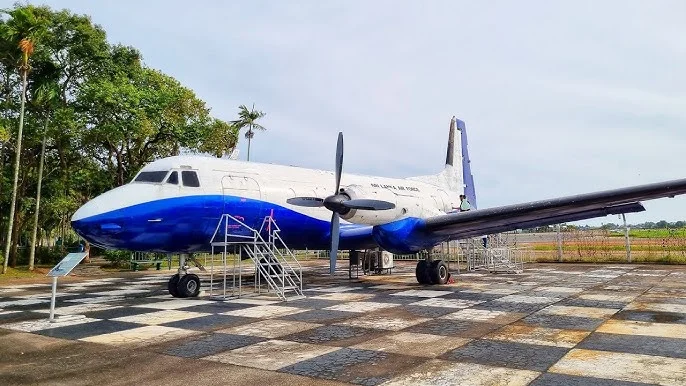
(184,284)
(431,271)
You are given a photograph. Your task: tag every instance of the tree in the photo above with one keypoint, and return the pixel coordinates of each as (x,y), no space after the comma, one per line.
(137,114)
(25,27)
(247,118)
(219,138)
(46,99)
(108,114)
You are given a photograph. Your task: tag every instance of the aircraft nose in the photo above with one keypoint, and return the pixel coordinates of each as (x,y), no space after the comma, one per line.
(107,202)
(84,211)
(99,220)
(94,227)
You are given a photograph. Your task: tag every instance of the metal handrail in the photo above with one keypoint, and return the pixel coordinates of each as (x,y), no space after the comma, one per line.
(274,235)
(260,249)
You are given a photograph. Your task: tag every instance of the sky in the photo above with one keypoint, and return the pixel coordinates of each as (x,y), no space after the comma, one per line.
(558,97)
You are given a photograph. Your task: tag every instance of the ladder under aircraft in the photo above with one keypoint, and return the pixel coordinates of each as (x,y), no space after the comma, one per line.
(274,264)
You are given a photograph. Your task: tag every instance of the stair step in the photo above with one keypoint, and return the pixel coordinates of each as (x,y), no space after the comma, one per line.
(287,276)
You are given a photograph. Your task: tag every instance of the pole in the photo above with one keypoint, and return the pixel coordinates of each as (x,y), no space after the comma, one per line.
(626,238)
(52,299)
(559,243)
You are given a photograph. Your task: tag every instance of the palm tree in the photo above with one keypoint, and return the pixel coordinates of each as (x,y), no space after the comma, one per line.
(247,118)
(24,27)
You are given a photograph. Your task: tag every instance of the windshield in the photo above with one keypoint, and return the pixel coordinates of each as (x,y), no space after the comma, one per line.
(190,179)
(155,176)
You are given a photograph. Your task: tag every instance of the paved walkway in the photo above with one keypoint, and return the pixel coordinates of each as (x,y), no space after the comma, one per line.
(552,325)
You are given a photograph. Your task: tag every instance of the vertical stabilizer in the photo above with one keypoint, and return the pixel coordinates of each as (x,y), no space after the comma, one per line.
(457,174)
(468,178)
(450,156)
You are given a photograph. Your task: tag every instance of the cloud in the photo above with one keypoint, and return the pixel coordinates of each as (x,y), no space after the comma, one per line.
(558,98)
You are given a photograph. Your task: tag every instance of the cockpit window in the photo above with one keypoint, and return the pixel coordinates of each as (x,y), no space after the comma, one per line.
(173,178)
(156,176)
(190,179)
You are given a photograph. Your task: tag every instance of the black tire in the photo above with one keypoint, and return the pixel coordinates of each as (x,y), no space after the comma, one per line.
(422,272)
(438,272)
(189,286)
(173,283)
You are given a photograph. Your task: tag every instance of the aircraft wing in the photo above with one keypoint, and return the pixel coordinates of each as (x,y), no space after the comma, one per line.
(547,212)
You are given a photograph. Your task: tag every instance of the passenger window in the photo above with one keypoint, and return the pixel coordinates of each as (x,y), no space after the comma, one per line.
(173,178)
(190,179)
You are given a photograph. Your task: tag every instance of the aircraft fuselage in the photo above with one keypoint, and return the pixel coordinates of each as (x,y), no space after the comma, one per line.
(158,212)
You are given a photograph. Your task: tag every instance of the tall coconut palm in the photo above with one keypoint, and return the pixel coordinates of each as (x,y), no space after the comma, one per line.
(24,27)
(247,119)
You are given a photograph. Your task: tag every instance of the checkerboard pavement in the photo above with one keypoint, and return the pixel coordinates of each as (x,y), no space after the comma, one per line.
(551,325)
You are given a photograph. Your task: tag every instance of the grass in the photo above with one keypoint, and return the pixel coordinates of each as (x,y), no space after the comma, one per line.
(22,272)
(610,247)
(651,233)
(618,259)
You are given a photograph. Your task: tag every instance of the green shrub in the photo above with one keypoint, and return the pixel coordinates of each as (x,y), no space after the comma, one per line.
(49,256)
(44,255)
(117,258)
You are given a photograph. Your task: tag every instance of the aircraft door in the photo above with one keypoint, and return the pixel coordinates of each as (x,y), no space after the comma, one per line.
(243,199)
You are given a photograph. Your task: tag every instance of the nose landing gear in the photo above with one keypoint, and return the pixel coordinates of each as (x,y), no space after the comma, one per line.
(184,284)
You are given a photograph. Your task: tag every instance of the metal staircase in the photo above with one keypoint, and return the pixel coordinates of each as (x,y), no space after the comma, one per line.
(274,264)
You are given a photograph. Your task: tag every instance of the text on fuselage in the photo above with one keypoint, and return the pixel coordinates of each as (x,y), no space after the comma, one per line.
(410,188)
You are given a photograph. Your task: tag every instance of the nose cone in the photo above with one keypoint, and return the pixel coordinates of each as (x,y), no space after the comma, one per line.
(86,210)
(102,218)
(95,226)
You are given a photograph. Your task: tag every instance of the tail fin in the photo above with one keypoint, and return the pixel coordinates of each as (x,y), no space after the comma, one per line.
(468,178)
(457,174)
(450,157)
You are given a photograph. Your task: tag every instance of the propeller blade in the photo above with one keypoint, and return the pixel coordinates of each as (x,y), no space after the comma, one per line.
(334,242)
(310,202)
(366,204)
(339,161)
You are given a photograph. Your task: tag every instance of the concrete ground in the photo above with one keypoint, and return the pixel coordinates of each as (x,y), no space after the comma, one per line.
(552,325)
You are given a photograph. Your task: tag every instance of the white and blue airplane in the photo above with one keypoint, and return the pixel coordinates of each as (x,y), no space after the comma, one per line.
(173,205)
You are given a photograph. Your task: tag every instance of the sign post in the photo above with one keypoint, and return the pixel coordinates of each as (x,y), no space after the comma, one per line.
(52,299)
(62,269)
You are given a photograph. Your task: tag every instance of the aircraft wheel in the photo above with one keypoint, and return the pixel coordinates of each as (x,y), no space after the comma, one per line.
(439,272)
(173,283)
(422,272)
(188,286)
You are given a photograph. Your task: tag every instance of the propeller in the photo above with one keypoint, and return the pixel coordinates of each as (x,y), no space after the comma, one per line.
(339,203)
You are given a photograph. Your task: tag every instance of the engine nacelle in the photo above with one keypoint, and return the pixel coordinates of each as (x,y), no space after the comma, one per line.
(405,206)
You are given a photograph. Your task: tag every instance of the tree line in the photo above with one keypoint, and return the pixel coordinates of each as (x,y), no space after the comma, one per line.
(80,116)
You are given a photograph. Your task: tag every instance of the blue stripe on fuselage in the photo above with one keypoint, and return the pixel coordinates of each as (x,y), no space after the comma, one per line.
(186,224)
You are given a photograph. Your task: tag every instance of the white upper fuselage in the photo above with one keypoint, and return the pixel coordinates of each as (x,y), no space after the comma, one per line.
(133,216)
(275,184)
